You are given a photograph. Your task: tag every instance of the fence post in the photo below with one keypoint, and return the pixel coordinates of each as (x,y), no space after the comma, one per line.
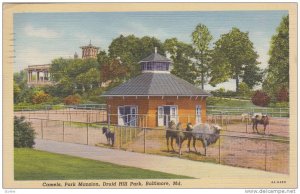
(129,134)
(87,133)
(63,131)
(247,124)
(42,129)
(266,142)
(121,137)
(280,112)
(220,150)
(222,119)
(144,140)
(125,135)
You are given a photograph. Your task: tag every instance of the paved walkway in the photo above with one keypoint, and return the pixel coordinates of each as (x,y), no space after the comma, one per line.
(152,162)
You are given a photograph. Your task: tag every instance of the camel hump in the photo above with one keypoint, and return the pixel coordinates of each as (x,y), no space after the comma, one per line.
(203,128)
(257,115)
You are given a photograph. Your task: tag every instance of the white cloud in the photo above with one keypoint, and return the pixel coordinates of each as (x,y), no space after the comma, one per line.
(140,29)
(40,32)
(35,56)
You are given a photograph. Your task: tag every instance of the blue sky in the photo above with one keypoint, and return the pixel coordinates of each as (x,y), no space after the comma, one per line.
(41,37)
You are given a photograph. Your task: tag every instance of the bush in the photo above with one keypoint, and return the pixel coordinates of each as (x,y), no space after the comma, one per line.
(282,95)
(260,98)
(23,133)
(40,97)
(72,100)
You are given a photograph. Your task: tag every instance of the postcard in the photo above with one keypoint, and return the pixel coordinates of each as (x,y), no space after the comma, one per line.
(150,95)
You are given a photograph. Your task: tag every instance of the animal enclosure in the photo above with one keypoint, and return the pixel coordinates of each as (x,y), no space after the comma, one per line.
(235,146)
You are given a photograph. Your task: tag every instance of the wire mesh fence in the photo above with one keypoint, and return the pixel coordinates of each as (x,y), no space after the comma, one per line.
(229,110)
(243,124)
(235,123)
(249,150)
(71,115)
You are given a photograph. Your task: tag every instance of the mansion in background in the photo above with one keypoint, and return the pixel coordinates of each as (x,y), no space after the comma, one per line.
(38,75)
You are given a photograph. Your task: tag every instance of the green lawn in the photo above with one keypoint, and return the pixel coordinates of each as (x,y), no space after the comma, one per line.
(32,164)
(230,102)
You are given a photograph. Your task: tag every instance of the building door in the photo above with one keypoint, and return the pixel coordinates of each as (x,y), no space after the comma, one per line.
(160,116)
(166,114)
(133,116)
(198,114)
(121,115)
(127,115)
(173,114)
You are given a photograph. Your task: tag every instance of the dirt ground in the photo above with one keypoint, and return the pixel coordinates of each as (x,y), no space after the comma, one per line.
(277,126)
(248,151)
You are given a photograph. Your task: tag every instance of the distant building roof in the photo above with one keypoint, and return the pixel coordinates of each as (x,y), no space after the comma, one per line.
(156,84)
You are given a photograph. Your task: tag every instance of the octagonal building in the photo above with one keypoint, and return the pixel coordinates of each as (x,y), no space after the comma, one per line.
(155,97)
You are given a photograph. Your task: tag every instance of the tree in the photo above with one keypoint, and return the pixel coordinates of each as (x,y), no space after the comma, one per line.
(130,50)
(75,75)
(244,90)
(113,71)
(181,55)
(20,87)
(20,78)
(282,95)
(234,57)
(252,75)
(278,70)
(17,91)
(201,38)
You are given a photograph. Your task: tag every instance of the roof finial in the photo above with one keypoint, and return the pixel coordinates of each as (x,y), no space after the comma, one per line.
(90,42)
(155,49)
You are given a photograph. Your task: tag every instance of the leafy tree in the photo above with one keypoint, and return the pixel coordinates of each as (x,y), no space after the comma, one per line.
(278,70)
(130,50)
(181,55)
(20,87)
(244,90)
(75,75)
(113,71)
(252,75)
(234,57)
(127,50)
(282,95)
(201,38)
(20,78)
(23,133)
(17,91)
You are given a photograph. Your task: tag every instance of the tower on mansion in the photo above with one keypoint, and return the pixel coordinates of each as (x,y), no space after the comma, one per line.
(89,51)
(38,75)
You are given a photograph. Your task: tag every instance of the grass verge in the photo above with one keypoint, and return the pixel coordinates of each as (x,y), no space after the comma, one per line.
(30,164)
